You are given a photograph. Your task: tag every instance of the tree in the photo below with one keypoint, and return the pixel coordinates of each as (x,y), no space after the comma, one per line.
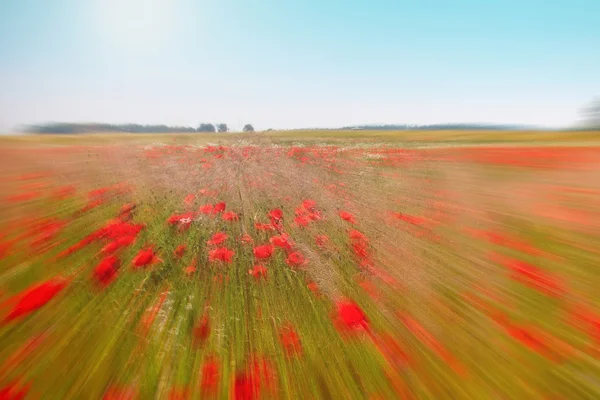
(206,128)
(222,128)
(248,128)
(591,114)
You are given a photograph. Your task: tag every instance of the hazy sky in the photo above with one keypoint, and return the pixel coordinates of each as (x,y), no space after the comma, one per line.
(292,63)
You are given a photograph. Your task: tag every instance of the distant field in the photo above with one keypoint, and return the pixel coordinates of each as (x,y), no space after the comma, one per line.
(409,138)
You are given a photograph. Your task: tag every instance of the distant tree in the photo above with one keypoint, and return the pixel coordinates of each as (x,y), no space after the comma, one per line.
(222,128)
(206,128)
(591,114)
(248,128)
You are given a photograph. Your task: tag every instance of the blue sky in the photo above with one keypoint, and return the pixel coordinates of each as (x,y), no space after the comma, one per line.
(287,64)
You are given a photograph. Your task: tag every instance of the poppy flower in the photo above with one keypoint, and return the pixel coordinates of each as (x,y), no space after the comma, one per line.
(230,216)
(180,250)
(246,239)
(120,393)
(221,254)
(356,235)
(350,317)
(264,227)
(275,215)
(210,375)
(346,216)
(360,249)
(313,287)
(301,221)
(290,340)
(190,269)
(264,251)
(322,240)
(145,257)
(189,199)
(245,387)
(106,271)
(202,330)
(295,259)
(13,391)
(179,393)
(258,272)
(206,209)
(282,241)
(309,204)
(35,297)
(219,208)
(217,239)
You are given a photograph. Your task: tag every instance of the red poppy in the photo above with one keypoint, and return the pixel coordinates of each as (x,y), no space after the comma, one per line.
(221,254)
(246,387)
(246,239)
(230,216)
(322,240)
(145,257)
(219,208)
(275,215)
(180,250)
(290,340)
(106,271)
(313,287)
(264,227)
(346,216)
(264,251)
(356,235)
(360,249)
(120,393)
(217,239)
(258,272)
(35,297)
(309,204)
(189,199)
(210,375)
(301,221)
(295,259)
(202,330)
(283,241)
(206,209)
(350,317)
(190,269)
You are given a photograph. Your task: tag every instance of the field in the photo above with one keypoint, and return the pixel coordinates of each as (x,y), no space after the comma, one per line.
(301,265)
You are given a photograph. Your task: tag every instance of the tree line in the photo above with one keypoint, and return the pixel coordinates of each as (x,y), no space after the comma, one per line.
(72,128)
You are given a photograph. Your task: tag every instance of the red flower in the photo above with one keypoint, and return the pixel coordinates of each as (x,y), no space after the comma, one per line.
(35,297)
(301,221)
(245,387)
(120,393)
(221,254)
(219,208)
(13,392)
(275,215)
(206,209)
(264,227)
(190,269)
(295,259)
(322,240)
(210,376)
(217,239)
(180,250)
(180,393)
(360,249)
(106,271)
(189,199)
(230,216)
(290,340)
(350,317)
(264,251)
(258,272)
(145,257)
(313,287)
(282,241)
(356,235)
(202,330)
(346,216)
(309,204)
(246,239)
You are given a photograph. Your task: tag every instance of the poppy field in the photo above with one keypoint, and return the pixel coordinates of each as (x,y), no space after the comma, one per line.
(252,268)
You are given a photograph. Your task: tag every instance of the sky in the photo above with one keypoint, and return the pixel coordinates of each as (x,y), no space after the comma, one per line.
(286,64)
